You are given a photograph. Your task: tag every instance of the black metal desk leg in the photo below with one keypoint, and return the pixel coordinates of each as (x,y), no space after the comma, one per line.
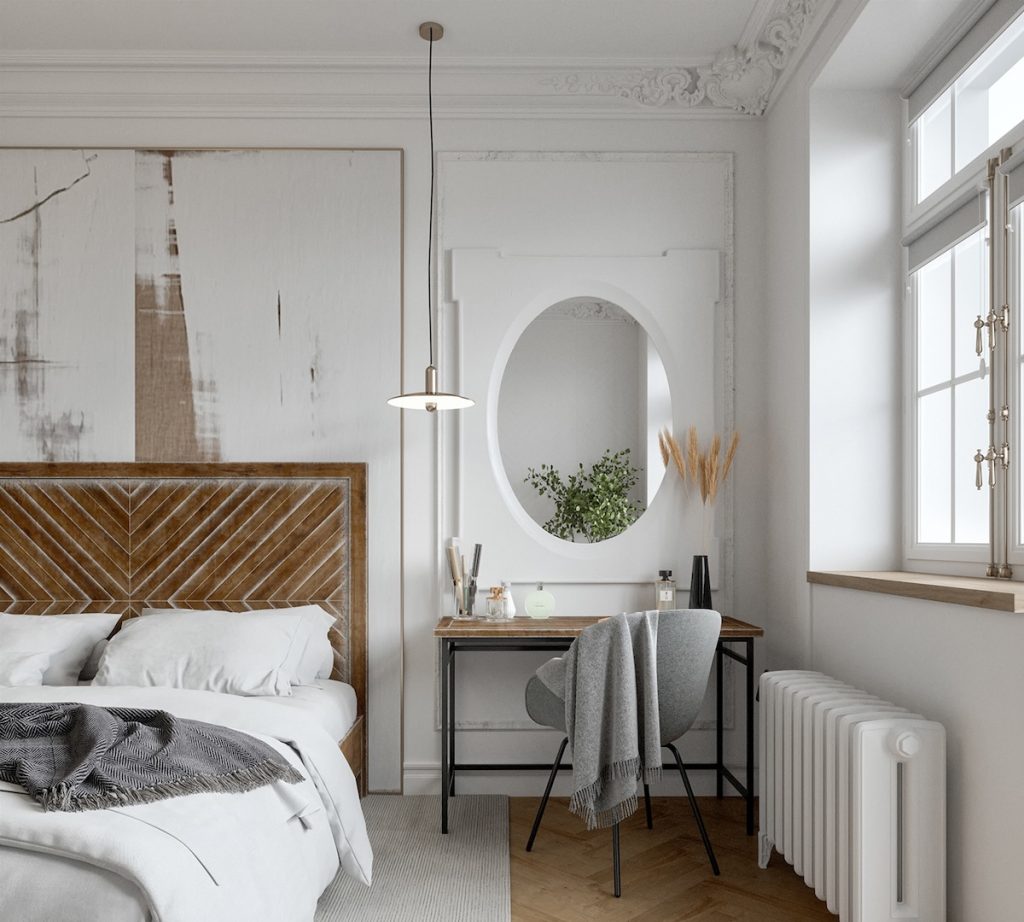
(444,734)
(719,719)
(750,736)
(451,721)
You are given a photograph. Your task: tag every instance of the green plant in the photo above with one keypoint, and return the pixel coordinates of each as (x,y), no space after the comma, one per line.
(594,503)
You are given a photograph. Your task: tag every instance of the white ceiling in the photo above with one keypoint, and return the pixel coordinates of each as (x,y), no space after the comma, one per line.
(682,31)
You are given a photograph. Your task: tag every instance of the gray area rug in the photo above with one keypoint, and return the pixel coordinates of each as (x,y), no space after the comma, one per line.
(420,875)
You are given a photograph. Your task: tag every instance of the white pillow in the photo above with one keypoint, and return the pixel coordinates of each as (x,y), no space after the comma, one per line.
(68,639)
(236,653)
(312,656)
(23,668)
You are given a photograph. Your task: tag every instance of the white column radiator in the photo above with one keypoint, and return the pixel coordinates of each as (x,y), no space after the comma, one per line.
(853,795)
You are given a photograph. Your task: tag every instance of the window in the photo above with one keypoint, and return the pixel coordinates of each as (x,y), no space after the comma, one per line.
(984,105)
(951,394)
(966,355)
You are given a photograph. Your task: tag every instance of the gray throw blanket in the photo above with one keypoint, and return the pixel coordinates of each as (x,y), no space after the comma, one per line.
(609,681)
(79,757)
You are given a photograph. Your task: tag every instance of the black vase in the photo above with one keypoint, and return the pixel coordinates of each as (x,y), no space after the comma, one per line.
(700,582)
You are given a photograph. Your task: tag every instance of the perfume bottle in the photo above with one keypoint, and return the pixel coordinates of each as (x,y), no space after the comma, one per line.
(665,591)
(508,603)
(495,603)
(541,603)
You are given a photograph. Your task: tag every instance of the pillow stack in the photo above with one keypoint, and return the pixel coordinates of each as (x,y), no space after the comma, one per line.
(238,653)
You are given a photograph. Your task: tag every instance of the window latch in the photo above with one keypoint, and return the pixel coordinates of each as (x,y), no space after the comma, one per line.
(990,457)
(979,460)
(990,324)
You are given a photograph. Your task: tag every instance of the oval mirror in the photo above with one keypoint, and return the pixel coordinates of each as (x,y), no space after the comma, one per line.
(582,399)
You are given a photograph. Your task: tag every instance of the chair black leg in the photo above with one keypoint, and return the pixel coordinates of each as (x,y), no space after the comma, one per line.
(647,806)
(695,808)
(547,794)
(616,861)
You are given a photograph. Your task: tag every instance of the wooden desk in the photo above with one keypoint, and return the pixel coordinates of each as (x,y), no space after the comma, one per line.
(555,635)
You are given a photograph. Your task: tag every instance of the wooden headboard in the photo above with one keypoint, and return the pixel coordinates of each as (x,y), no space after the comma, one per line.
(121,537)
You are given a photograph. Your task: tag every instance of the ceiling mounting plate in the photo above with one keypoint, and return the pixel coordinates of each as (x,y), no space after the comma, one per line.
(426,27)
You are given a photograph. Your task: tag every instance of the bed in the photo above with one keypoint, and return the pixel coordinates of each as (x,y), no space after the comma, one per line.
(124,538)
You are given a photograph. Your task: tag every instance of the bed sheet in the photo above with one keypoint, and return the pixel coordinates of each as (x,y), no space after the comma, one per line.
(329,702)
(215,857)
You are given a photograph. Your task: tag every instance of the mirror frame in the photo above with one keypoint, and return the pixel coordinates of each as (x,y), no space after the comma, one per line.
(548,298)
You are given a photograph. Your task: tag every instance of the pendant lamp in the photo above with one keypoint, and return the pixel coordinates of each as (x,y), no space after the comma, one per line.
(430,399)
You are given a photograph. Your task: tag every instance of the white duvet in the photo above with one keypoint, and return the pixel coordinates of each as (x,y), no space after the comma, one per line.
(264,854)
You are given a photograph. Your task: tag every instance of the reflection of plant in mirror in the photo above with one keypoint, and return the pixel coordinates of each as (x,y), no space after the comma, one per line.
(594,503)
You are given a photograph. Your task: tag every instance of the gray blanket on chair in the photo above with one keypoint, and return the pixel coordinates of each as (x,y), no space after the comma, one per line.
(79,757)
(609,681)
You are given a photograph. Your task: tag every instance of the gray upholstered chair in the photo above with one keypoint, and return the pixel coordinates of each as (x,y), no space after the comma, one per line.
(686,647)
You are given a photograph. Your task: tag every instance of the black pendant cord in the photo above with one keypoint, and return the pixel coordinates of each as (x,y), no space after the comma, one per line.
(430,223)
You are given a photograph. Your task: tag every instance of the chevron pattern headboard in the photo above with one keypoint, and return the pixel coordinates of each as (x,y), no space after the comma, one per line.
(121,537)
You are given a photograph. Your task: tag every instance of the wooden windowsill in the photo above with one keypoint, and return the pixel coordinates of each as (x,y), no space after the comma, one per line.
(995,594)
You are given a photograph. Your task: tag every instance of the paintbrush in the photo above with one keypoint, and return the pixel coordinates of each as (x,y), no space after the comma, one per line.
(453,563)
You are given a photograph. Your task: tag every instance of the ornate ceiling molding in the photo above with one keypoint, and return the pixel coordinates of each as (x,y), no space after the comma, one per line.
(740,80)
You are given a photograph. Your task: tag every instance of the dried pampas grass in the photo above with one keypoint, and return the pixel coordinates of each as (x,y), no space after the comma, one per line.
(705,470)
(693,456)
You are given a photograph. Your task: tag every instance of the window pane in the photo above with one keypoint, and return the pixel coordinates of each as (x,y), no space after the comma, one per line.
(934,146)
(990,95)
(1006,101)
(971,407)
(934,286)
(933,471)
(971,299)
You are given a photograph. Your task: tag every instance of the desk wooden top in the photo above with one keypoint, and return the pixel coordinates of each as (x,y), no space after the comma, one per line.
(558,627)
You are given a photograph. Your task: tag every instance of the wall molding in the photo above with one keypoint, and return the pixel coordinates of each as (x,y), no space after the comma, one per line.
(249,105)
(737,82)
(424,779)
(449,444)
(257,62)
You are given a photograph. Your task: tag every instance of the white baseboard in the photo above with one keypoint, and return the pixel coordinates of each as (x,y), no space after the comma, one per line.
(425,778)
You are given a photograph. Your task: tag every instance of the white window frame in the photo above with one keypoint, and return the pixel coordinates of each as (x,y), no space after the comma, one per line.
(918,216)
(967,177)
(914,550)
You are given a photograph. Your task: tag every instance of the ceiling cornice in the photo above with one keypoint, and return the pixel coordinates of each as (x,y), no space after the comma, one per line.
(738,82)
(737,79)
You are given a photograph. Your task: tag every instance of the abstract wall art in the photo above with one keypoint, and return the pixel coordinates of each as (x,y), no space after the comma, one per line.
(195,305)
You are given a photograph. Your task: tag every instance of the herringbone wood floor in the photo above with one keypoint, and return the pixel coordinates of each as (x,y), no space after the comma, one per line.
(665,872)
